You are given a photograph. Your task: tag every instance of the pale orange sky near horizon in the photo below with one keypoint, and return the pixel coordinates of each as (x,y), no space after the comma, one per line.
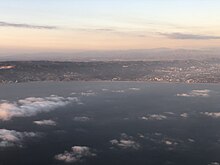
(27,26)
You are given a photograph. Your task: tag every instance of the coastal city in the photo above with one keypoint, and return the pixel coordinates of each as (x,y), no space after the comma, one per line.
(186,71)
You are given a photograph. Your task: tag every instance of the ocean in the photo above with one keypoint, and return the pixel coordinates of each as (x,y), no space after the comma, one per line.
(106,123)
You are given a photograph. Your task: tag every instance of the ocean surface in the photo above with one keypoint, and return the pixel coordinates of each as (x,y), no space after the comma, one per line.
(109,123)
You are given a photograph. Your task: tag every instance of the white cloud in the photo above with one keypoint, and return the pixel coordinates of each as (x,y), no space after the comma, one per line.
(118,91)
(158,134)
(81,119)
(196,93)
(77,154)
(88,93)
(45,122)
(212,114)
(9,138)
(162,139)
(154,117)
(33,105)
(214,163)
(125,142)
(184,115)
(170,113)
(191,140)
(104,89)
(167,142)
(170,142)
(141,135)
(134,89)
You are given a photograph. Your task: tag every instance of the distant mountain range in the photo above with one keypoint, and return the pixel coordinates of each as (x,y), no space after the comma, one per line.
(123,55)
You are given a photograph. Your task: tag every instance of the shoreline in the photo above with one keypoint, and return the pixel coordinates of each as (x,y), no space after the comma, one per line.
(108,81)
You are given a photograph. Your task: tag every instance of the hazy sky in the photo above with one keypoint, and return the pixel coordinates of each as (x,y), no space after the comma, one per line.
(64,25)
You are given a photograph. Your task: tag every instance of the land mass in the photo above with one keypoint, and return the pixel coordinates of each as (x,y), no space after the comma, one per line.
(187,71)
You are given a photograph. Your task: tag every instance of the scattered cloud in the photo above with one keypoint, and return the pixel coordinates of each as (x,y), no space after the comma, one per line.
(184,115)
(140,135)
(167,142)
(214,163)
(185,36)
(94,29)
(45,122)
(10,138)
(81,119)
(191,140)
(170,113)
(104,89)
(105,30)
(212,114)
(88,93)
(196,93)
(118,91)
(158,134)
(125,142)
(134,89)
(170,142)
(77,154)
(27,26)
(113,31)
(32,105)
(154,117)
(162,139)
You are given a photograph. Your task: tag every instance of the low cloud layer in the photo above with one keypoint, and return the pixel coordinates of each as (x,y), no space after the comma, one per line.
(10,138)
(88,93)
(134,89)
(184,115)
(214,163)
(154,117)
(196,93)
(169,142)
(27,26)
(77,154)
(32,106)
(45,122)
(104,89)
(212,114)
(125,142)
(118,91)
(184,36)
(81,118)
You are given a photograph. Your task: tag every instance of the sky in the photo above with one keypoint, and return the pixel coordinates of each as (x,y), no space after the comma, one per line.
(69,25)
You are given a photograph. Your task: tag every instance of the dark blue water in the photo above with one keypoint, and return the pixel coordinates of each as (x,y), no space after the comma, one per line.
(128,123)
